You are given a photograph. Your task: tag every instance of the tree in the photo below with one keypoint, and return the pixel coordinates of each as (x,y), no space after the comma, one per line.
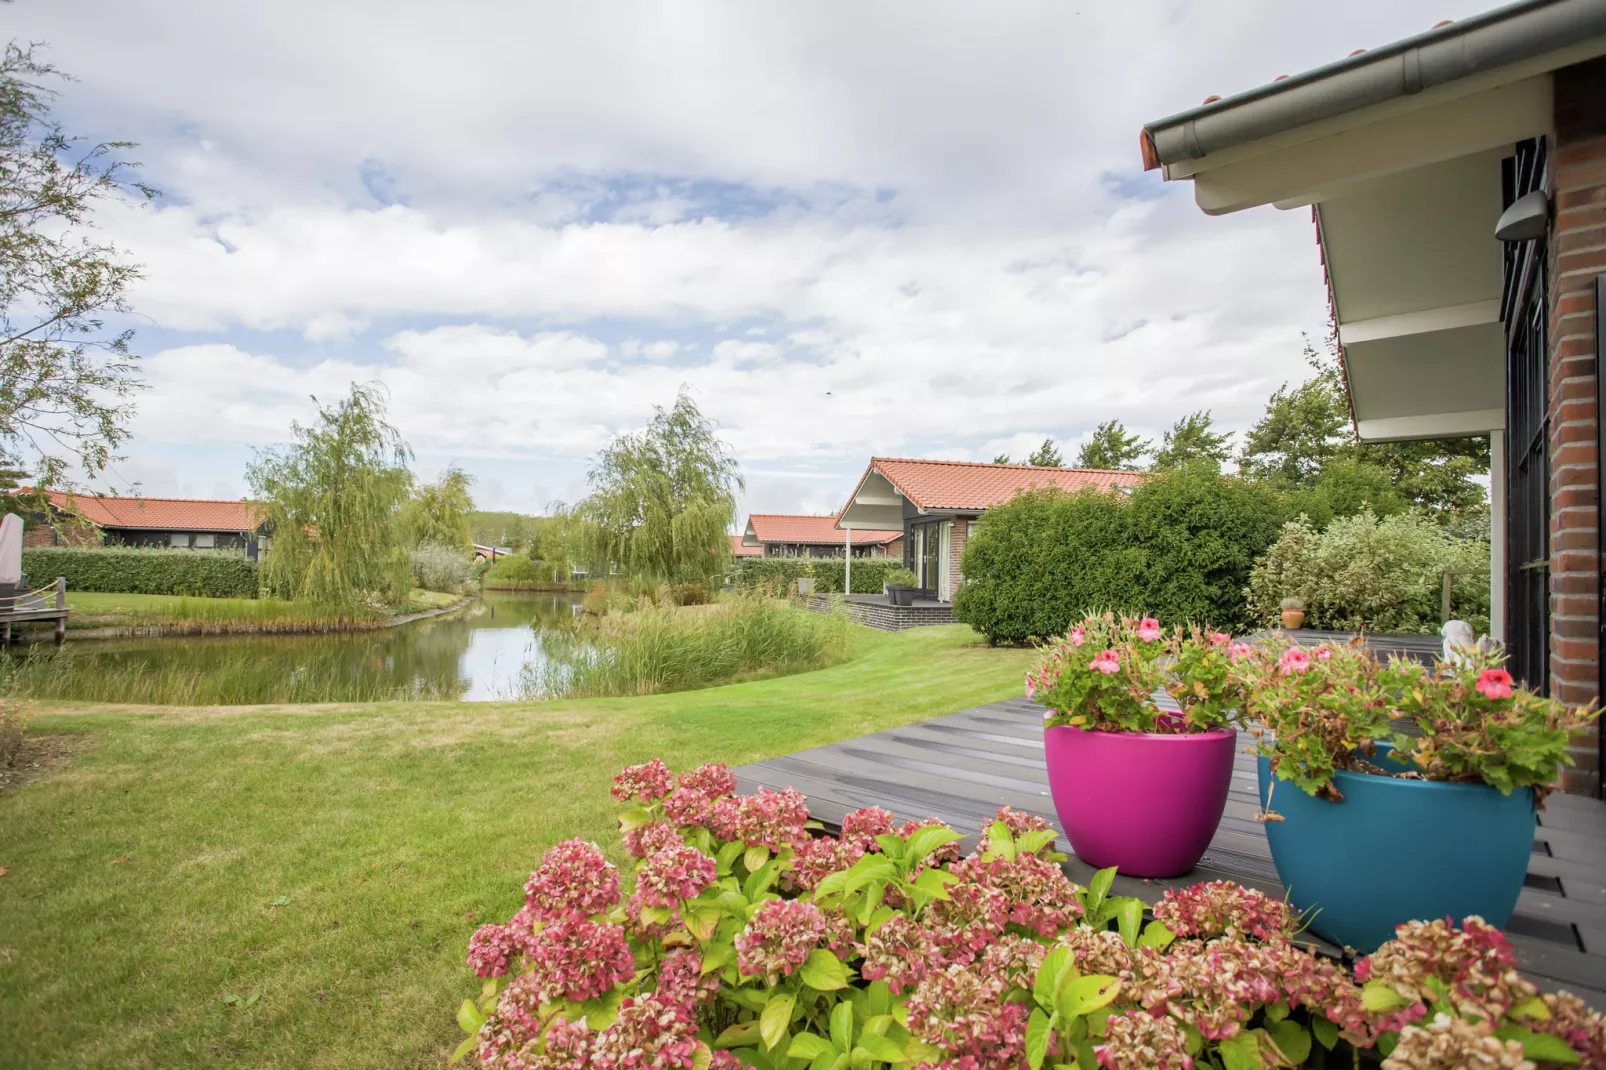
(1191,439)
(438,513)
(1047,456)
(662,499)
(331,500)
(65,376)
(1002,458)
(1112,447)
(1303,428)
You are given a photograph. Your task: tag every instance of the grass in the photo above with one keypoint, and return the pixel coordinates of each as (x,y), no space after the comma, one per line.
(88,609)
(671,648)
(336,859)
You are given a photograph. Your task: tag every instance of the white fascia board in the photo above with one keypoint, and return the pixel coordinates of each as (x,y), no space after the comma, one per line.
(1437,425)
(1432,319)
(878,499)
(1316,170)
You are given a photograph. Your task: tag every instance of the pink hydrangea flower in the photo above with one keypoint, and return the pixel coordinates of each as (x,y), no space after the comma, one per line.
(1294,660)
(1222,908)
(1106,661)
(650,838)
(575,880)
(861,827)
(1494,683)
(965,1015)
(1137,1040)
(710,778)
(580,960)
(649,1032)
(699,791)
(675,873)
(772,819)
(681,980)
(491,949)
(1239,651)
(649,782)
(778,938)
(1149,629)
(899,953)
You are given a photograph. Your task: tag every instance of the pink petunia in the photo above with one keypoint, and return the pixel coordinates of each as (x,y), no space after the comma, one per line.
(1494,683)
(1106,661)
(1148,629)
(1294,660)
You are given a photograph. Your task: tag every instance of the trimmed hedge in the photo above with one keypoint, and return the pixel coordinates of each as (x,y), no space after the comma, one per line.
(132,570)
(827,572)
(1181,548)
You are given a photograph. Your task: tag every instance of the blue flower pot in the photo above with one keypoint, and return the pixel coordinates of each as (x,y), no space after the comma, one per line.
(1397,850)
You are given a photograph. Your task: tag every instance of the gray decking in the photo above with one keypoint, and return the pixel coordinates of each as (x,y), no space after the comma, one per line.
(962,767)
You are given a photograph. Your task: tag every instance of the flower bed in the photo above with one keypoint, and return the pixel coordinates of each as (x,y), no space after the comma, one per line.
(746,940)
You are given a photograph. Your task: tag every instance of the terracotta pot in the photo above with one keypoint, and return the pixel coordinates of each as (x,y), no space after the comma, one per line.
(1293,618)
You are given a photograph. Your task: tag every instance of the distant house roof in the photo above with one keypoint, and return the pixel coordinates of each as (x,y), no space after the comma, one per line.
(161,514)
(740,549)
(808,530)
(966,485)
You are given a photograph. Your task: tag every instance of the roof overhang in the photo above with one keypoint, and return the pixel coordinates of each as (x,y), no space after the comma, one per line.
(875,503)
(750,536)
(1398,153)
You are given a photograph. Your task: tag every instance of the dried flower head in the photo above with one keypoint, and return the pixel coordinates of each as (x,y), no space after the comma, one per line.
(647,782)
(580,960)
(574,880)
(1138,1040)
(899,953)
(778,938)
(1222,908)
(675,873)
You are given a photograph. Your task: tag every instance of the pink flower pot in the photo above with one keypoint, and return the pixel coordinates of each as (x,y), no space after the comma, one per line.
(1146,804)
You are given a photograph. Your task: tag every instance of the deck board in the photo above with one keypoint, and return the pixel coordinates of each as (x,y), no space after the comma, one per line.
(962,766)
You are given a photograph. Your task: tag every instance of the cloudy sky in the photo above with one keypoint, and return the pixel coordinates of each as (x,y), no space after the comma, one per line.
(907,229)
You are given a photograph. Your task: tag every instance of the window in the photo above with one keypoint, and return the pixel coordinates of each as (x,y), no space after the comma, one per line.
(206,541)
(179,539)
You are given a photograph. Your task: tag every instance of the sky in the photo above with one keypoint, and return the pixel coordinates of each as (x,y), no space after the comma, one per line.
(847,229)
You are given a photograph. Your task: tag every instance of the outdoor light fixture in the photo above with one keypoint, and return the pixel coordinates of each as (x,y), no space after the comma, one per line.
(1526,219)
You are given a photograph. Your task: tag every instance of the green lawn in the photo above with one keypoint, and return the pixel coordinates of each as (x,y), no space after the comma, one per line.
(144,871)
(89,609)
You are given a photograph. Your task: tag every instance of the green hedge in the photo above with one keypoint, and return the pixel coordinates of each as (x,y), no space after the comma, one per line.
(127,570)
(827,572)
(1180,548)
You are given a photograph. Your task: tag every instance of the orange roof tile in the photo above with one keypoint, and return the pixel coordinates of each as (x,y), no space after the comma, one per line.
(966,485)
(163,514)
(780,527)
(744,551)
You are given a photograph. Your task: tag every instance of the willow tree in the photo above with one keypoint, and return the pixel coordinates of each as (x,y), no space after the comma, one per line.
(662,499)
(331,499)
(439,513)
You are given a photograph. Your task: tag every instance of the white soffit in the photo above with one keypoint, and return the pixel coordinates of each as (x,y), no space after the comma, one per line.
(876,504)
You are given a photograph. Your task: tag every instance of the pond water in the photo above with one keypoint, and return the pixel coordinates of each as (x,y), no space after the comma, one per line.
(478,654)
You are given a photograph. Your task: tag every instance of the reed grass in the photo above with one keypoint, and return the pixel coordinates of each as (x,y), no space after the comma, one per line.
(143,613)
(663,649)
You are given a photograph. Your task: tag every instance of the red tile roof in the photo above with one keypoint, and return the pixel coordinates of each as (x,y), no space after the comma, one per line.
(969,485)
(162,514)
(745,551)
(814,530)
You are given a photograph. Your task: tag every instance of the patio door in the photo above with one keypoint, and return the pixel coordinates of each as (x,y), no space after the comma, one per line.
(927,560)
(1523,311)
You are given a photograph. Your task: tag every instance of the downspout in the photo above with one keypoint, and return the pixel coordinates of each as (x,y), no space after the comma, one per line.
(847,560)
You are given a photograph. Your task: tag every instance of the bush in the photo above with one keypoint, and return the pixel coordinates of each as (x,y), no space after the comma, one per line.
(132,570)
(1181,547)
(868,572)
(514,571)
(691,594)
(1369,574)
(437,567)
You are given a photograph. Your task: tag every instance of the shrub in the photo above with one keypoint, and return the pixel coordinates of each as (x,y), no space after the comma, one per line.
(869,573)
(747,942)
(437,567)
(514,571)
(1370,574)
(691,594)
(133,570)
(900,577)
(1181,548)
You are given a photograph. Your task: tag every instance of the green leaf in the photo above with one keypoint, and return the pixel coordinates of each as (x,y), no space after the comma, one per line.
(755,857)
(1532,1007)
(777,1017)
(735,904)
(599,1013)
(759,883)
(1325,1030)
(1038,1030)
(824,971)
(469,1018)
(878,998)
(634,818)
(1241,1052)
(893,846)
(701,920)
(1377,996)
(739,1035)
(1128,917)
(727,856)
(808,1046)
(880,870)
(281,901)
(1155,934)
(702,1057)
(717,957)
(880,1048)
(251,1000)
(926,840)
(655,915)
(1276,1012)
(842,1026)
(878,1026)
(1000,844)
(1049,973)
(1292,1039)
(835,884)
(462,1050)
(1098,888)
(1540,1047)
(1032,842)
(1079,995)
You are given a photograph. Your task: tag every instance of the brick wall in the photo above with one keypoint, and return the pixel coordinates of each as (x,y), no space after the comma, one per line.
(956,547)
(1578,255)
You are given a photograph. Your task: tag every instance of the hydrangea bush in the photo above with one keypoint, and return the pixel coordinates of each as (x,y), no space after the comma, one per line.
(1104,672)
(745,939)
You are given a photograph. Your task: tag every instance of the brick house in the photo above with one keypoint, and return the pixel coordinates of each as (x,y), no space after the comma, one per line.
(782,535)
(1457,181)
(937,503)
(187,523)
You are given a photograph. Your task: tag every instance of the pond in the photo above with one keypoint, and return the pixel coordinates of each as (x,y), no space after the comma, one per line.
(477,654)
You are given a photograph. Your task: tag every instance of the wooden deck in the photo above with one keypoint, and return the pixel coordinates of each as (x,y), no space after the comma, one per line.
(962,767)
